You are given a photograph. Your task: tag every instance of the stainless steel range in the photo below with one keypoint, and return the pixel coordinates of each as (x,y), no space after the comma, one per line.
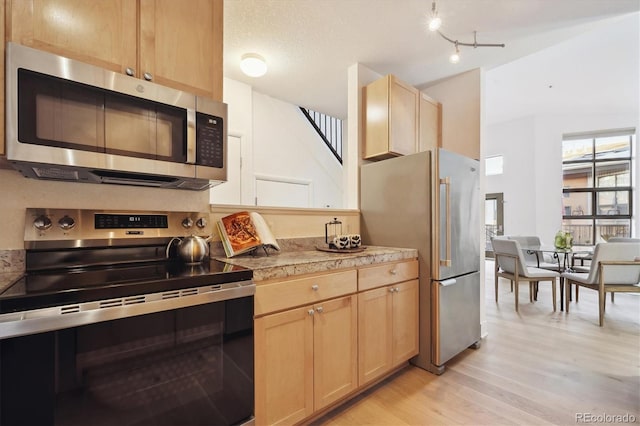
(108,325)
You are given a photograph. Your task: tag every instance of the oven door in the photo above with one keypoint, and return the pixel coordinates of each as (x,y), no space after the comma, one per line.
(192,365)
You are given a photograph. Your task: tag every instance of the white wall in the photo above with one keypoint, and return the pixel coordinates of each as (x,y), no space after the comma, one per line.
(286,146)
(358,77)
(515,141)
(278,142)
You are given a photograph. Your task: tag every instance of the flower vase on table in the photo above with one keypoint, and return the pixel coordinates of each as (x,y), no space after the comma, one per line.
(563,240)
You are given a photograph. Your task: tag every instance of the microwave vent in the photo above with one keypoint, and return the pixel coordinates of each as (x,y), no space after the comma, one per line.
(55,173)
(195,184)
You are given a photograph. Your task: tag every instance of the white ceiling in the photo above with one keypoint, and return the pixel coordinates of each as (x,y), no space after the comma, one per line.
(309,44)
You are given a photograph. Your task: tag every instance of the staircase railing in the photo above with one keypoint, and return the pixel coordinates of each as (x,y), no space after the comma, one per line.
(328,128)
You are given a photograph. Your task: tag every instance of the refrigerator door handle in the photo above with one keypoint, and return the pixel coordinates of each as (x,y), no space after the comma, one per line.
(446,181)
(447,283)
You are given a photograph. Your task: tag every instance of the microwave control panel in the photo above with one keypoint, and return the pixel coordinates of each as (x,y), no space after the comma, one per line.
(209,140)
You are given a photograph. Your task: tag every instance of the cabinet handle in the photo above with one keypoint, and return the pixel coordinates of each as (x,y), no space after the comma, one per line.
(319,309)
(315,287)
(391,290)
(310,311)
(130,71)
(393,272)
(397,289)
(147,76)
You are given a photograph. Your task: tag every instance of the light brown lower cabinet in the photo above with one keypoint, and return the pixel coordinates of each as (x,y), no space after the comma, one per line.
(320,337)
(306,358)
(387,329)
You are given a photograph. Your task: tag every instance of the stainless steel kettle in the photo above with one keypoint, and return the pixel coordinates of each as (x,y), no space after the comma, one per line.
(192,249)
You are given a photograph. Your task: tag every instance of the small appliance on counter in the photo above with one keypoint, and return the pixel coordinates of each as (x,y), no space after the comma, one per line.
(337,242)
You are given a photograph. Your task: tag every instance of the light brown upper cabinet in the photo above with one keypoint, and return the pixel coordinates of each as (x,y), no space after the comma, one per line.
(164,41)
(430,125)
(2,48)
(391,118)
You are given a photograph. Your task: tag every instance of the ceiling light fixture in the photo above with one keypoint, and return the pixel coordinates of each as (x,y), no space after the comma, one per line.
(434,21)
(455,58)
(253,65)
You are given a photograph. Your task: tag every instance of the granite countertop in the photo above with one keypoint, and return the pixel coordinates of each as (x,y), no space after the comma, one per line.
(294,260)
(7,279)
(289,263)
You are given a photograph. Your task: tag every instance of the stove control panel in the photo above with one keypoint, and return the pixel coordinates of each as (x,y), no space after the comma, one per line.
(51,228)
(118,221)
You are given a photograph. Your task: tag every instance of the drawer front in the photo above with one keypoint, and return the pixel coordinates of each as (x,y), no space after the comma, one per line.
(301,291)
(386,273)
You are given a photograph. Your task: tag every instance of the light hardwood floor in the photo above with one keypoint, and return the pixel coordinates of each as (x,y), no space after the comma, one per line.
(535,367)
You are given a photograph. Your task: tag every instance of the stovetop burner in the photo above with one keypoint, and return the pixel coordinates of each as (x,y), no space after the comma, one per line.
(44,289)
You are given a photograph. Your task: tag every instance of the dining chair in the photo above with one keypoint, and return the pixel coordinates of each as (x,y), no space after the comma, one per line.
(510,264)
(529,244)
(533,256)
(615,268)
(582,268)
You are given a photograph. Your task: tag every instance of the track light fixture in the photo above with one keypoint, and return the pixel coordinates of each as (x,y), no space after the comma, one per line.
(434,21)
(455,56)
(434,25)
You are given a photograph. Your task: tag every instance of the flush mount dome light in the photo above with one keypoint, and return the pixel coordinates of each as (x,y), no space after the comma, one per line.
(253,65)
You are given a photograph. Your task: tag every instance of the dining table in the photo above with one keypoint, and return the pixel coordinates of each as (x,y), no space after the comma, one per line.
(564,256)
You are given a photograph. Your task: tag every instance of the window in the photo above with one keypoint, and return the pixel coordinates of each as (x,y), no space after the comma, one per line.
(597,190)
(493,165)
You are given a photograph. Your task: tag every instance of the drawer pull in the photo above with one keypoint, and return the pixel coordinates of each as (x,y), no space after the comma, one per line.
(315,287)
(319,309)
(393,272)
(311,311)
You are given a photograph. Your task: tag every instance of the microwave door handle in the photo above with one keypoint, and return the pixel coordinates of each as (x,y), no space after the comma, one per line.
(191,136)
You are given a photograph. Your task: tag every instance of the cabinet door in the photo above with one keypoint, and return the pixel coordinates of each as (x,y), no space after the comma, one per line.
(374,334)
(284,366)
(405,321)
(181,44)
(376,119)
(2,68)
(430,125)
(100,33)
(403,111)
(391,118)
(335,350)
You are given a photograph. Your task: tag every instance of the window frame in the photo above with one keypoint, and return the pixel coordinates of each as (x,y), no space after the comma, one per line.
(594,189)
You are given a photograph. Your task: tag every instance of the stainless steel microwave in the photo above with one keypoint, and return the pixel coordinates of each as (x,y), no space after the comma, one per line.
(71,121)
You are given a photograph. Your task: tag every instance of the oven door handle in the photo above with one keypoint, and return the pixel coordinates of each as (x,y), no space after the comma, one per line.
(69,316)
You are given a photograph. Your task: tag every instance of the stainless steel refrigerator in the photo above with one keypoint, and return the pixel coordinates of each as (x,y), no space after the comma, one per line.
(430,201)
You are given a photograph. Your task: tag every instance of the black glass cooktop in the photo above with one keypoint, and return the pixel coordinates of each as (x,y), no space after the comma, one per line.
(61,287)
